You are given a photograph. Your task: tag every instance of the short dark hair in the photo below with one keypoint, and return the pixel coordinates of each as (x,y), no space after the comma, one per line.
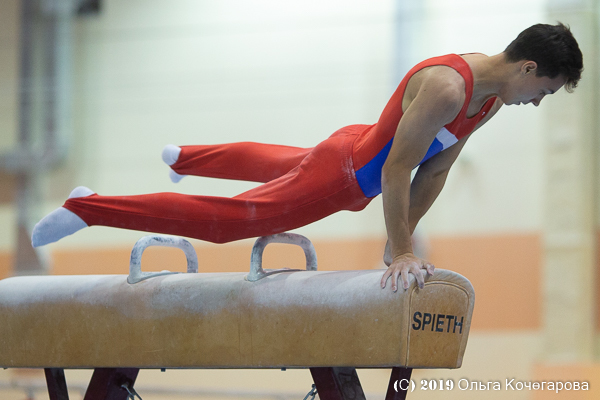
(553,48)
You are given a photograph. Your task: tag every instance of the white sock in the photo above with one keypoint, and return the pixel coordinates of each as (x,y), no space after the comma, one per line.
(59,223)
(170,155)
(175,177)
(81,191)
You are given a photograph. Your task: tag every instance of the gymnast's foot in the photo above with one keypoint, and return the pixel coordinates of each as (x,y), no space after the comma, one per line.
(170,155)
(59,223)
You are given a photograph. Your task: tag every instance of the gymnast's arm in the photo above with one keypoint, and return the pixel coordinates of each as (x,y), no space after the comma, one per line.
(426,186)
(437,102)
(430,178)
(429,181)
(431,175)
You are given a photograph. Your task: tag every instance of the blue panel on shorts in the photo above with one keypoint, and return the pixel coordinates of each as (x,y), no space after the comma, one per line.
(369,176)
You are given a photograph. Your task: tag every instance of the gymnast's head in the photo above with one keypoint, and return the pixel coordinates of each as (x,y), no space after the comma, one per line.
(549,53)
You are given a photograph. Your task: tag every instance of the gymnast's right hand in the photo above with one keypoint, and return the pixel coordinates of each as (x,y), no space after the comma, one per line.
(404,264)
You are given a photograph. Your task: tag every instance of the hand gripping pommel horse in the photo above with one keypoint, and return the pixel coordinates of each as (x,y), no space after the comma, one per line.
(328,321)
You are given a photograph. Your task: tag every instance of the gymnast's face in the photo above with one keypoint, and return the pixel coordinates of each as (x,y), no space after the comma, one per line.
(528,88)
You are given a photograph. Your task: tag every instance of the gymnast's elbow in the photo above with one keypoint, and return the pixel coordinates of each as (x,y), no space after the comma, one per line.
(394,173)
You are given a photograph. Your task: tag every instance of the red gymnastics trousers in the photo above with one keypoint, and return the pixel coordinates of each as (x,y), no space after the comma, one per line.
(300,186)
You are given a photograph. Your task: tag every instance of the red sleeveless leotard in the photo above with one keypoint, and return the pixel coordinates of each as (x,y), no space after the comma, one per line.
(373,145)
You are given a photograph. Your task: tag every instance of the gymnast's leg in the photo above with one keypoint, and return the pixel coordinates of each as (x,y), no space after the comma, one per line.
(245,161)
(321,185)
(248,161)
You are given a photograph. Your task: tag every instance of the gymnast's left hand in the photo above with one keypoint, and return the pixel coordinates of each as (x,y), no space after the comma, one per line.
(404,264)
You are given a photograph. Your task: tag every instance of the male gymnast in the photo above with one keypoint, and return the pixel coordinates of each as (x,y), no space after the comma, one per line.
(425,124)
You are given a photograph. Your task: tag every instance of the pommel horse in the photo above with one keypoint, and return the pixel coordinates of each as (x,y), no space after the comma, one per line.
(328,321)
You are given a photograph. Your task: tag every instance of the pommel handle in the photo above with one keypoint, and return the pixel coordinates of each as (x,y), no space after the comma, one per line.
(135,263)
(256,270)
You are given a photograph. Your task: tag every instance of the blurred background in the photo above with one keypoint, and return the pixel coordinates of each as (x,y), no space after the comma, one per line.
(91,91)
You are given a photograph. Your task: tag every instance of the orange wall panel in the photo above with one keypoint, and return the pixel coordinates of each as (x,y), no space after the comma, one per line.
(505,271)
(6,260)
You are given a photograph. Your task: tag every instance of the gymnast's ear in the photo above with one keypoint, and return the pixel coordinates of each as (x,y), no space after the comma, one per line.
(529,67)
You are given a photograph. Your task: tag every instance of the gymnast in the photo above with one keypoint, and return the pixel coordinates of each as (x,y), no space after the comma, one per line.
(425,124)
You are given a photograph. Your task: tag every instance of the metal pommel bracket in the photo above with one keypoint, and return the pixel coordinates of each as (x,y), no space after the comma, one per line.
(256,270)
(135,263)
